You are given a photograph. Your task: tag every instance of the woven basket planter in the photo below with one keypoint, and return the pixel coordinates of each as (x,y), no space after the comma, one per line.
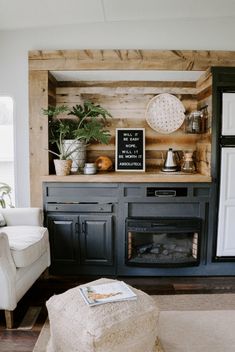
(62,167)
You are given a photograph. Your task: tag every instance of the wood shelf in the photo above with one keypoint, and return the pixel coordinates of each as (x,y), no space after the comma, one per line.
(149,176)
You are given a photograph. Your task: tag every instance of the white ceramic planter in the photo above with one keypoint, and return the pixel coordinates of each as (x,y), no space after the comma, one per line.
(78,156)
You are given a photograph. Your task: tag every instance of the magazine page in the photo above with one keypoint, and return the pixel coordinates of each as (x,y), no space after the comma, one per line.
(106,293)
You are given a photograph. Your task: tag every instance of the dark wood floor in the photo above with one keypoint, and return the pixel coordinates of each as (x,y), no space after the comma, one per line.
(43,289)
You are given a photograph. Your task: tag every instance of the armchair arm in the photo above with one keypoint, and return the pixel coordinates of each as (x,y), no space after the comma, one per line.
(7,275)
(23,216)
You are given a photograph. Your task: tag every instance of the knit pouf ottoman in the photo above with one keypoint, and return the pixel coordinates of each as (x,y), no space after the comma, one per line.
(126,326)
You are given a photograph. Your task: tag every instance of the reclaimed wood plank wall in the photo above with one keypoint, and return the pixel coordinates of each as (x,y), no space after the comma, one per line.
(127,102)
(38,133)
(132,98)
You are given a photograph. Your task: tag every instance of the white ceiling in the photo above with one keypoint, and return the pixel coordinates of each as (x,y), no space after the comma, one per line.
(127,75)
(19,14)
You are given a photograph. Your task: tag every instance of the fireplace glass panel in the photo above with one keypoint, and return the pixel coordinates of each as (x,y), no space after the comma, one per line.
(174,243)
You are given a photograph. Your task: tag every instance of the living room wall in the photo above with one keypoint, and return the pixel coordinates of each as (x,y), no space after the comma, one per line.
(201,34)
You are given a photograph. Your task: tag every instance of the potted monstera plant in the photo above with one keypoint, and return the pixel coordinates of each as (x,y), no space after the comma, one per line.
(91,127)
(59,129)
(71,135)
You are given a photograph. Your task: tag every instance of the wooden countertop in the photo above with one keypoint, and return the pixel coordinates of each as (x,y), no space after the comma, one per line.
(126,177)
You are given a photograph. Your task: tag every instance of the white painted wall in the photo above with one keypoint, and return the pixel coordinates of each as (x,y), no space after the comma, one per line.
(213,34)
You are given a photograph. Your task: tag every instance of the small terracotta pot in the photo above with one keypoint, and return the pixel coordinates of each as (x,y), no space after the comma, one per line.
(62,167)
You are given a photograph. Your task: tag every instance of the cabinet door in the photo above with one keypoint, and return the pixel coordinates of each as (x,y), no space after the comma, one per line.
(226,226)
(63,230)
(228,114)
(96,239)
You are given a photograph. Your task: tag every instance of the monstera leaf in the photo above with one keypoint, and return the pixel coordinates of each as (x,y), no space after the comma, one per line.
(93,131)
(89,109)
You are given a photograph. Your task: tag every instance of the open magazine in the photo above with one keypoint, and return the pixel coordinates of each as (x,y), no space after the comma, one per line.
(106,293)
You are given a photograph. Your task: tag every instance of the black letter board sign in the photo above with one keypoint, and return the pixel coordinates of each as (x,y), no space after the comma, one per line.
(130,149)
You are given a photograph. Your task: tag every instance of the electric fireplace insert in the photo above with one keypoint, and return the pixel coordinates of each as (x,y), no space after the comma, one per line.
(163,241)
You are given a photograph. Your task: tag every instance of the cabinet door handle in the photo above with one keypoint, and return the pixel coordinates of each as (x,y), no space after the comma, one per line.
(83,227)
(76,227)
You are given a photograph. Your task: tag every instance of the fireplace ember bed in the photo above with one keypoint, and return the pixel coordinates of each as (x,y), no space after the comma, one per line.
(163,241)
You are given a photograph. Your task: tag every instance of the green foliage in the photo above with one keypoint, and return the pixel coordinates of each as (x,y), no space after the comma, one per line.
(5,196)
(53,112)
(92,121)
(65,127)
(93,131)
(89,125)
(59,130)
(89,110)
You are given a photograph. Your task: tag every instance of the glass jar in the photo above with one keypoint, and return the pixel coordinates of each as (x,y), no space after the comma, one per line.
(188,165)
(204,119)
(193,122)
(90,169)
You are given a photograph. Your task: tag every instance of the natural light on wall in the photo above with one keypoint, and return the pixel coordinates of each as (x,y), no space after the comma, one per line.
(7,144)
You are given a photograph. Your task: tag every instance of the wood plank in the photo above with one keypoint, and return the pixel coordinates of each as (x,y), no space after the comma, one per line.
(107,91)
(52,84)
(121,55)
(205,93)
(189,60)
(157,141)
(204,80)
(204,85)
(52,80)
(153,158)
(203,157)
(121,103)
(151,176)
(127,84)
(38,133)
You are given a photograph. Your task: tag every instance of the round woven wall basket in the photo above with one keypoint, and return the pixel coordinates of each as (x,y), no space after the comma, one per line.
(165,113)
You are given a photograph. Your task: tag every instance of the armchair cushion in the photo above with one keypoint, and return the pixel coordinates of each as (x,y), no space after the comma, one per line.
(23,216)
(27,243)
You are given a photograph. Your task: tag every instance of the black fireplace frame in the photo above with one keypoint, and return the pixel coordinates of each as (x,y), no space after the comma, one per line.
(169,225)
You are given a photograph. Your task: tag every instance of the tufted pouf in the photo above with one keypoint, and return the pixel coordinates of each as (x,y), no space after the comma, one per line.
(127,326)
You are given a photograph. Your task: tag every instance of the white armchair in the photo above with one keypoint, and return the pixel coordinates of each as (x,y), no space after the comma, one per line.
(24,255)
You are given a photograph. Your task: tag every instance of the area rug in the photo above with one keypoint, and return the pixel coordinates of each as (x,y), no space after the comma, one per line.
(197,331)
(187,323)
(43,338)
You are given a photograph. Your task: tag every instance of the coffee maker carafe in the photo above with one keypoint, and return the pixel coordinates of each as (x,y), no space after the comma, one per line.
(188,165)
(170,163)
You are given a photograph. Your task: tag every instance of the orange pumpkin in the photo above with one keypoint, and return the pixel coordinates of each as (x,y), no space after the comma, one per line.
(104,163)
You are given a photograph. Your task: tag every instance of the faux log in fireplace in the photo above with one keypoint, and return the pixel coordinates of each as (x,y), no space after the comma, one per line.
(163,241)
